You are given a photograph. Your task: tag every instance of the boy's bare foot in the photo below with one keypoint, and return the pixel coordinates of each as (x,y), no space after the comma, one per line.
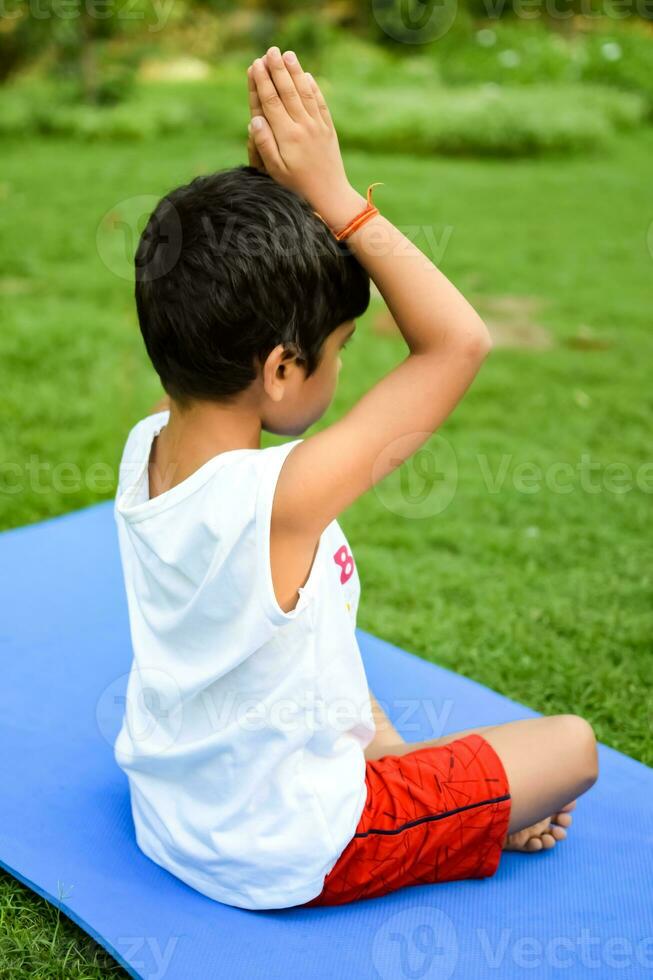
(541,836)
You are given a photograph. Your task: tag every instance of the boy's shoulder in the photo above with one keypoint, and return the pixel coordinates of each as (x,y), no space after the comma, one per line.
(145,428)
(137,446)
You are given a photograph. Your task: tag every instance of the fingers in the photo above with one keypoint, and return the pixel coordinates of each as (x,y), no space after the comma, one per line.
(282,95)
(302,83)
(253,155)
(265,145)
(284,84)
(255,108)
(271,103)
(321,101)
(298,91)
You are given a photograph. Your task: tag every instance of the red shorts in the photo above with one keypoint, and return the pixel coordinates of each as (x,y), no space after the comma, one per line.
(436,814)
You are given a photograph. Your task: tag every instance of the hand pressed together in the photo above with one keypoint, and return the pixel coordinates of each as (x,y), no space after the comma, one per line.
(292,136)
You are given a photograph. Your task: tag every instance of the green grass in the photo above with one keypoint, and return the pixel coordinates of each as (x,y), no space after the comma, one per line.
(543,596)
(37,941)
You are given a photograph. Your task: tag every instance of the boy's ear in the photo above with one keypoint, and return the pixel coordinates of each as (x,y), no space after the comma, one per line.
(290,351)
(274,368)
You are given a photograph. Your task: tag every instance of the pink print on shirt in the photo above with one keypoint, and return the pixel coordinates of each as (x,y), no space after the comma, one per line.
(344,558)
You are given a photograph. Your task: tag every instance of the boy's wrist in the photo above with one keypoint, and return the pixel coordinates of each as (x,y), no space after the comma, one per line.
(339,208)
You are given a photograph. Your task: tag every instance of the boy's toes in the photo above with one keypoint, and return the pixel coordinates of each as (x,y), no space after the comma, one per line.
(562,819)
(543,835)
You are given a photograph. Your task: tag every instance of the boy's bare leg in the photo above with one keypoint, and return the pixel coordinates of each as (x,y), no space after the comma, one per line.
(548,762)
(387,738)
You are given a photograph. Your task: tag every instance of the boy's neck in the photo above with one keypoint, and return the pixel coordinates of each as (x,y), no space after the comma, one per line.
(196,433)
(205,427)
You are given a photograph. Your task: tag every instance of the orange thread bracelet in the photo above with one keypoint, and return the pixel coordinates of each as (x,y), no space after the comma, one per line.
(357,222)
(369,211)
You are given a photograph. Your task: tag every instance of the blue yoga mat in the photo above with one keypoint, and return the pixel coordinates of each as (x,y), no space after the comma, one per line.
(583,910)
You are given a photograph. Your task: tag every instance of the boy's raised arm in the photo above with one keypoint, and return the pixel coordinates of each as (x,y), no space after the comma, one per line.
(446,339)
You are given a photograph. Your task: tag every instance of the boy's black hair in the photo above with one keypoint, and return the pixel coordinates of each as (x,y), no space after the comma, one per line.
(228,267)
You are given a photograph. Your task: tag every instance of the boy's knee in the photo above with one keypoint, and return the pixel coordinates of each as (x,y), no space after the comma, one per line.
(580,741)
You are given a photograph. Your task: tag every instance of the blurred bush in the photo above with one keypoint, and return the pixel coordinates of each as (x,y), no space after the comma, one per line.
(22,36)
(40,108)
(485,120)
(518,53)
(623,59)
(73,40)
(480,120)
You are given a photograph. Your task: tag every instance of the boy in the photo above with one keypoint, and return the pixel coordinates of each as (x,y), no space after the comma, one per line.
(261,770)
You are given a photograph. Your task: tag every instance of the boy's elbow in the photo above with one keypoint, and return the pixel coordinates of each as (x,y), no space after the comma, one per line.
(478,342)
(488,343)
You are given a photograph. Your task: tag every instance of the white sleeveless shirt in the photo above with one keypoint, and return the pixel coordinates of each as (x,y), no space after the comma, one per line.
(244,725)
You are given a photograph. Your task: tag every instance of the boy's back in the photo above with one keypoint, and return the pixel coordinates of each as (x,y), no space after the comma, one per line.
(247,780)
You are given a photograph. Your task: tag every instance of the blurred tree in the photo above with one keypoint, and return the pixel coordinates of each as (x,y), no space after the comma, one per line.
(79,46)
(295,24)
(21,35)
(75,37)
